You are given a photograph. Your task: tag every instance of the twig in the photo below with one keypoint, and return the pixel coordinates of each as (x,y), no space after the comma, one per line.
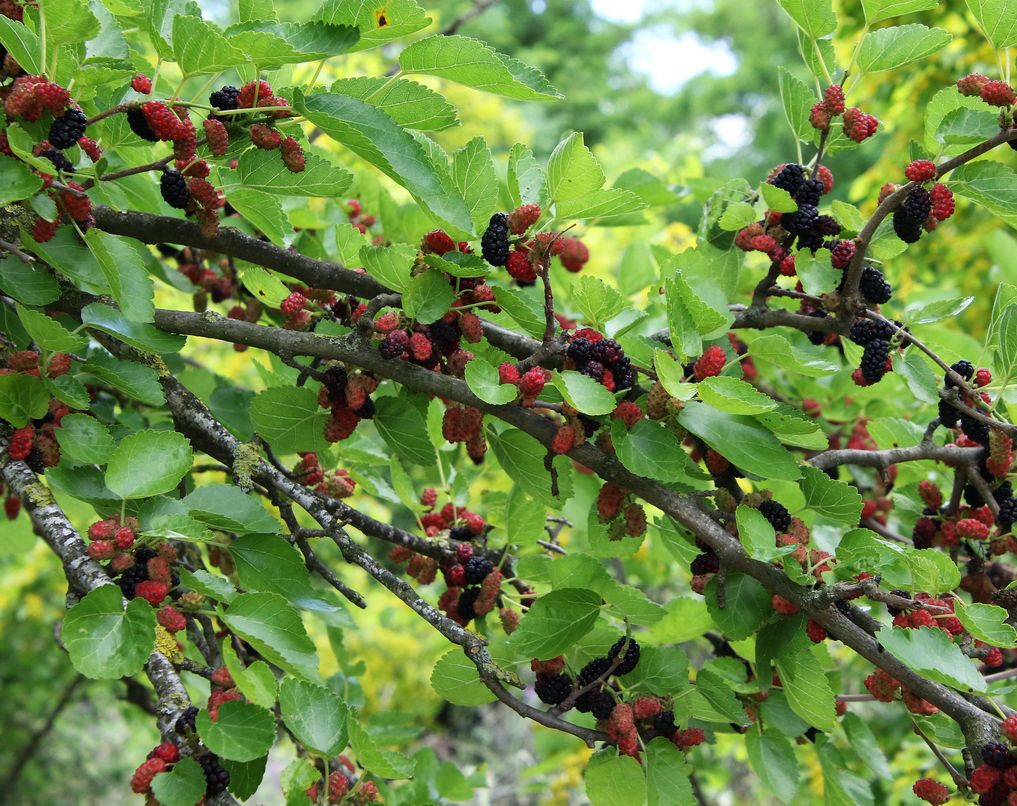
(479,7)
(958,779)
(22,256)
(315,564)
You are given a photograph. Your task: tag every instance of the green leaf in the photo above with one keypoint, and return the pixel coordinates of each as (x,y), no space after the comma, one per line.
(818,276)
(32,285)
(474,176)
(404,429)
(148,463)
(472,63)
(747,604)
(137,334)
(270,44)
(1006,336)
(807,688)
(316,716)
(18,182)
(68,21)
(129,281)
(70,390)
(798,100)
(915,371)
(22,398)
(389,265)
(849,216)
(614,780)
(893,47)
(459,264)
(377,138)
(384,763)
(583,393)
(690,309)
(934,311)
(815,17)
(734,396)
(262,210)
(575,179)
(103,639)
(527,183)
(757,535)
(396,18)
(865,746)
(667,775)
(428,297)
(716,689)
(777,350)
(671,375)
(742,441)
(184,785)
(484,382)
(597,301)
(241,732)
(217,587)
(986,623)
(990,184)
(134,380)
(256,682)
(245,776)
(411,105)
(269,564)
(49,333)
(879,10)
(997,21)
(555,622)
(525,310)
(650,449)
(289,419)
(738,215)
(931,652)
(22,44)
(777,199)
(663,670)
(522,459)
(455,679)
(226,508)
(966,126)
(830,498)
(772,758)
(272,627)
(85,439)
(263,170)
(199,48)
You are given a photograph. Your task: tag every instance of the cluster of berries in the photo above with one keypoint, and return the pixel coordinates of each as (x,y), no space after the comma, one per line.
(349,399)
(777,232)
(35,443)
(921,209)
(620,511)
(528,258)
(341,784)
(600,358)
(856,124)
(995,779)
(874,336)
(140,572)
(994,93)
(466,425)
(360,220)
(972,522)
(975,432)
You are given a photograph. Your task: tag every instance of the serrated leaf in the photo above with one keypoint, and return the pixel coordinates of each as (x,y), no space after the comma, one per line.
(817,274)
(931,652)
(199,48)
(597,301)
(266,287)
(377,25)
(555,622)
(987,623)
(614,780)
(650,449)
(289,419)
(815,17)
(738,215)
(523,309)
(661,669)
(22,44)
(792,427)
(777,199)
(776,349)
(472,63)
(459,264)
(241,731)
(134,380)
(879,10)
(918,375)
(455,679)
(527,183)
(757,535)
(32,285)
(734,396)
(18,182)
(797,99)
(262,210)
(942,104)
(830,498)
(137,334)
(226,508)
(583,393)
(384,763)
(484,382)
(428,297)
(268,563)
(105,640)
(128,280)
(997,21)
(256,682)
(389,265)
(990,184)
(216,587)
(274,628)
(667,775)
(85,439)
(49,333)
(316,716)
(935,311)
(671,375)
(411,105)
(521,457)
(263,170)
(772,758)
(741,440)
(184,785)
(377,138)
(746,605)
(473,174)
(271,44)
(67,21)
(148,463)
(404,429)
(22,398)
(807,688)
(896,46)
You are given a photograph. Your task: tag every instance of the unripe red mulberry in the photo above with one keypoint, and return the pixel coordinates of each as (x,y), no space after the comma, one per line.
(921,171)
(20,444)
(141,781)
(563,440)
(971,85)
(931,791)
(253,92)
(519,267)
(217,136)
(532,383)
(711,363)
(265,137)
(998,93)
(141,83)
(293,155)
(438,242)
(574,254)
(165,125)
(522,218)
(170,618)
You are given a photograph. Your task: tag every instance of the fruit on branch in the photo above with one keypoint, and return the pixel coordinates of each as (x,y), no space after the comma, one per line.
(68,128)
(141,83)
(710,364)
(998,93)
(494,244)
(574,254)
(292,155)
(921,171)
(776,514)
(174,190)
(859,126)
(873,286)
(522,218)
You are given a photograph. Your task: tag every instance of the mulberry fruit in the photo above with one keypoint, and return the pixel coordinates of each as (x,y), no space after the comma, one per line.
(224,99)
(68,128)
(553,690)
(494,243)
(921,171)
(789,178)
(874,359)
(629,660)
(874,286)
(174,189)
(776,514)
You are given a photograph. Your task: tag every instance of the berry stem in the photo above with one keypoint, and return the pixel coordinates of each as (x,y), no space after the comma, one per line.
(317,72)
(206,85)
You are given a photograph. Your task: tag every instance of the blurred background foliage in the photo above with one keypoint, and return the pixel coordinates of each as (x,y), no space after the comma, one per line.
(686,90)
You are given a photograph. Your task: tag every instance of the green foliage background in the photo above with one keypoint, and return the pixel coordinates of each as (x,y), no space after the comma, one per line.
(95,743)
